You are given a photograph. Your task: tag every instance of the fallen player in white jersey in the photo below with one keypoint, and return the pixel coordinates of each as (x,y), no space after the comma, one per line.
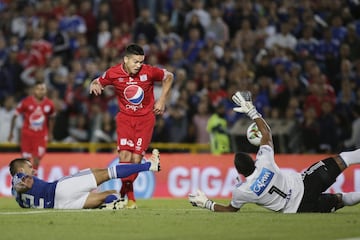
(266,185)
(75,191)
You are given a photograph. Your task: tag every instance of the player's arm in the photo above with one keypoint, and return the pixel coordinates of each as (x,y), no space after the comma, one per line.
(245,105)
(265,130)
(96,87)
(199,199)
(12,126)
(159,106)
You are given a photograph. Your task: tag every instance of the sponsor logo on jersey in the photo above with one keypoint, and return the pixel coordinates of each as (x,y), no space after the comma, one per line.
(128,142)
(262,181)
(37,119)
(134,94)
(123,141)
(47,108)
(143,78)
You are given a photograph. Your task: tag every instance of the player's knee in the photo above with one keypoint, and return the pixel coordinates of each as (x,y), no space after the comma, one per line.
(125,156)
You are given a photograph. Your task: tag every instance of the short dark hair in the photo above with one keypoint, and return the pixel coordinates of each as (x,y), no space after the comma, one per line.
(134,49)
(244,164)
(39,82)
(17,163)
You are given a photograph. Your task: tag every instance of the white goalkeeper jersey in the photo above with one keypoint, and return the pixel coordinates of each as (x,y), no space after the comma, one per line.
(268,186)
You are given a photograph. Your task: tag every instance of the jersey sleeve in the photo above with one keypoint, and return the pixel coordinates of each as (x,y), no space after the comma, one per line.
(157,74)
(104,79)
(265,153)
(20,108)
(237,200)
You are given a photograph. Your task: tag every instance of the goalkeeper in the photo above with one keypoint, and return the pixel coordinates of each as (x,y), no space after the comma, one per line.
(266,185)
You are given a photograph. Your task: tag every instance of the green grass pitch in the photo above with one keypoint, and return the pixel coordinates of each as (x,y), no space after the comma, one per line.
(174,219)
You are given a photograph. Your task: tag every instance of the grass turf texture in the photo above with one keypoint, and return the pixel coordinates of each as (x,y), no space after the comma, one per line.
(174,219)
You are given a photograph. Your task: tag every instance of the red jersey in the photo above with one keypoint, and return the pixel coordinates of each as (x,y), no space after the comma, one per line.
(135,94)
(35,114)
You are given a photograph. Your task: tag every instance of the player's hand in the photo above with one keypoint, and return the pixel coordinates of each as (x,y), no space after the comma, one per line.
(24,184)
(159,108)
(245,105)
(95,87)
(199,199)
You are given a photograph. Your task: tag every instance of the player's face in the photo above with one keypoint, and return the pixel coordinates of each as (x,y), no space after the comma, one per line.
(40,91)
(28,169)
(133,63)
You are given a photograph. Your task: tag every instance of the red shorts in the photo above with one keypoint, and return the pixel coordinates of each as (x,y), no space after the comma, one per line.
(33,145)
(134,133)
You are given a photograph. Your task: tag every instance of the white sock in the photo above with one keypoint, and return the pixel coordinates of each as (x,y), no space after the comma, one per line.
(352,157)
(351,198)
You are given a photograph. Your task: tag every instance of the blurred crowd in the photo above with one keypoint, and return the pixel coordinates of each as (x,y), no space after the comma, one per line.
(300,59)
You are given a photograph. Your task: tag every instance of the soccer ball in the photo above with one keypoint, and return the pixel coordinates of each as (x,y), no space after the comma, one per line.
(253,134)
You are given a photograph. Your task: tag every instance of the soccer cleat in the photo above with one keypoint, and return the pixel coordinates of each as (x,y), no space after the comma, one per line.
(115,205)
(131,204)
(155,160)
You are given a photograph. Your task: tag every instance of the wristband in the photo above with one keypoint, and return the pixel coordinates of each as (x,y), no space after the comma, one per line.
(210,205)
(253,114)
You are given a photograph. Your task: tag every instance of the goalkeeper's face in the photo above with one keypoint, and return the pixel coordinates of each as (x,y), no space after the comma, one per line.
(133,63)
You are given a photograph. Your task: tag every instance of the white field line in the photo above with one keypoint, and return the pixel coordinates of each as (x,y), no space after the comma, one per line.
(92,210)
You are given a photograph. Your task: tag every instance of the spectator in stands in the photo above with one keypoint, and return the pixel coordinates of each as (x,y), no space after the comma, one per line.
(283,39)
(310,131)
(72,24)
(103,35)
(218,130)
(59,39)
(178,123)
(245,37)
(85,12)
(78,130)
(144,25)
(329,140)
(56,75)
(307,45)
(198,9)
(353,41)
(200,120)
(177,17)
(104,14)
(194,23)
(7,112)
(354,140)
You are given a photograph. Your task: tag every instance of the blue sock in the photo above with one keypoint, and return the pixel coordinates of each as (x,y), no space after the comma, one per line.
(125,170)
(111,198)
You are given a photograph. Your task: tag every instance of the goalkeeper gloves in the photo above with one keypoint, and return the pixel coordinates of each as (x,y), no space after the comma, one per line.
(245,105)
(199,199)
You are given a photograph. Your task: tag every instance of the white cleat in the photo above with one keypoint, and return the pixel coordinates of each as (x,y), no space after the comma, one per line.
(155,160)
(115,205)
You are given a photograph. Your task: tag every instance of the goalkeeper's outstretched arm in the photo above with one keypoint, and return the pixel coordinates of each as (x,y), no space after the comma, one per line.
(199,199)
(265,132)
(245,105)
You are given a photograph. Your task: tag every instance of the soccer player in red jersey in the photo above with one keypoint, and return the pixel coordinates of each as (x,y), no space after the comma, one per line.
(133,82)
(38,112)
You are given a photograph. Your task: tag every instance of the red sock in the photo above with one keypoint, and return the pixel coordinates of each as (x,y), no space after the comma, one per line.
(125,182)
(130,193)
